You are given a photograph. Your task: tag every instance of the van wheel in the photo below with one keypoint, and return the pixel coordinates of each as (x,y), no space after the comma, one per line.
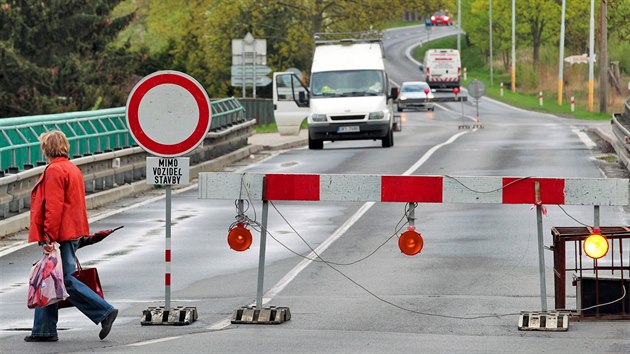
(314,144)
(388,141)
(399,109)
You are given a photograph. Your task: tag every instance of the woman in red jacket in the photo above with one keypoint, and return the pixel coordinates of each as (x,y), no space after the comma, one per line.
(58,214)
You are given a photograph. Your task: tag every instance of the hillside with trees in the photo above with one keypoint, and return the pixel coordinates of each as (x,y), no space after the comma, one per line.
(76,55)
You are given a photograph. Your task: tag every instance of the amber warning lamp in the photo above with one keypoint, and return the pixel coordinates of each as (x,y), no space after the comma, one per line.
(239,238)
(596,245)
(410,242)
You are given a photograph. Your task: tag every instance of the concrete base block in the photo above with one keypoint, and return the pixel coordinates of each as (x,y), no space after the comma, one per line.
(178,316)
(267,315)
(543,321)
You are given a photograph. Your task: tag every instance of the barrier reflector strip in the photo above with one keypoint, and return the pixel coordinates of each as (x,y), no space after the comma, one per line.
(350,188)
(167,279)
(475,190)
(421,189)
(167,256)
(522,190)
(292,187)
(596,191)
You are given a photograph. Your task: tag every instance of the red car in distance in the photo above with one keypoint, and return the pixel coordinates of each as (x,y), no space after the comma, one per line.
(441,18)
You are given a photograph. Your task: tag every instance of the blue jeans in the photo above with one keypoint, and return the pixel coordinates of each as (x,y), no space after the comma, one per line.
(81,296)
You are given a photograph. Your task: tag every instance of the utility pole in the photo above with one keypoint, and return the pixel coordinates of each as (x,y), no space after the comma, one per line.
(491,74)
(459,26)
(513,45)
(591,50)
(603,58)
(561,65)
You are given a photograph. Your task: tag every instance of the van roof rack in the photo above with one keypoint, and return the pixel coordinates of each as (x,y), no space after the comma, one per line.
(347,37)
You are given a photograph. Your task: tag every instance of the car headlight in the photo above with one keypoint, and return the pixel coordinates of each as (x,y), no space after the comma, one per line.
(376,115)
(318,117)
(402,98)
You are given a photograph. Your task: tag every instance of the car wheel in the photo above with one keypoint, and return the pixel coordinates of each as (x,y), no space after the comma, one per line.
(399,109)
(388,141)
(315,144)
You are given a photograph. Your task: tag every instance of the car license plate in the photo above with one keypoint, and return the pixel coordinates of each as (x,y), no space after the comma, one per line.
(348,129)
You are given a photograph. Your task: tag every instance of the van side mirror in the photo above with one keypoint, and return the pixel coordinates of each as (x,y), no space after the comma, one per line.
(393,94)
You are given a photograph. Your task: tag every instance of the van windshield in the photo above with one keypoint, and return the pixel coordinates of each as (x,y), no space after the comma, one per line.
(347,83)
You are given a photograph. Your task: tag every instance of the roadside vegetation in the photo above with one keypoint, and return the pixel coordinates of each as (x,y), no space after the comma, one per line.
(76,55)
(525,97)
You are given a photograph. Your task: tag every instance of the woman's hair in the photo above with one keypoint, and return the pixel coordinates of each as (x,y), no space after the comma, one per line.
(54,144)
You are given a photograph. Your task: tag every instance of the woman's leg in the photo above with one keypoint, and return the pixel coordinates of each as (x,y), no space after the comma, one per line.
(81,296)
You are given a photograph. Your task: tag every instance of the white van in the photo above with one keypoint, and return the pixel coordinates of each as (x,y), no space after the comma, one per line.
(442,68)
(349,98)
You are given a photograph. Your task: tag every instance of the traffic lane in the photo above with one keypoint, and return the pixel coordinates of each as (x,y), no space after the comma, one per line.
(466,270)
(131,266)
(399,46)
(362,156)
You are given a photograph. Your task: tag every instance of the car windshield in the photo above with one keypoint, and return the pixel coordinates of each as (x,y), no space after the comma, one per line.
(347,83)
(414,88)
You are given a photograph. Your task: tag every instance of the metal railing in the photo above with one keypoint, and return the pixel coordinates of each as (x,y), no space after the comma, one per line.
(89,133)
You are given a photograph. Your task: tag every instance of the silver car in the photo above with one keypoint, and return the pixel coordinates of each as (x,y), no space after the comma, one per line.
(415,94)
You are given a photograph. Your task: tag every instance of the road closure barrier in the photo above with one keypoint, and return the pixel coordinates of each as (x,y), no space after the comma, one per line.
(536,191)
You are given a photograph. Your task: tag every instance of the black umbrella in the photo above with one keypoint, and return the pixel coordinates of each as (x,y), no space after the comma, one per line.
(98,236)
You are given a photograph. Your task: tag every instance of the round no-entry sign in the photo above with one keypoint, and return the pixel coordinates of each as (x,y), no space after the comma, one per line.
(168,113)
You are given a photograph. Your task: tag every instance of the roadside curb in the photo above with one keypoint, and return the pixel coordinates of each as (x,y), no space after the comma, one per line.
(620,150)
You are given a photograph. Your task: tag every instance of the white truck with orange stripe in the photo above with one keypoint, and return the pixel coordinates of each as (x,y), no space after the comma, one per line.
(442,68)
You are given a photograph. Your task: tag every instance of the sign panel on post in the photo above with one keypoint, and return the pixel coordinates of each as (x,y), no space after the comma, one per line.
(168,171)
(168,113)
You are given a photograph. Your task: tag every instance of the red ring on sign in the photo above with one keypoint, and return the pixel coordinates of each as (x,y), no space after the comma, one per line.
(203,122)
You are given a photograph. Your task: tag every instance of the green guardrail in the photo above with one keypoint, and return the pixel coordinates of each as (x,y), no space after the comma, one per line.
(89,133)
(260,109)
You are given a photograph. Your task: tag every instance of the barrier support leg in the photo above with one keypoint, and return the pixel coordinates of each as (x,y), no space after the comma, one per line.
(258,314)
(261,255)
(541,250)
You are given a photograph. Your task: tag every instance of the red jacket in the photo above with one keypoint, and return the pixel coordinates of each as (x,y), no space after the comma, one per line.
(58,203)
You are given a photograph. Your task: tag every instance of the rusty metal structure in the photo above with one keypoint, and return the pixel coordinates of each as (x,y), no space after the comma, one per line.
(602,285)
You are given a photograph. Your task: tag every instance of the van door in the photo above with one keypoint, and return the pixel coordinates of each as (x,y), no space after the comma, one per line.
(290,102)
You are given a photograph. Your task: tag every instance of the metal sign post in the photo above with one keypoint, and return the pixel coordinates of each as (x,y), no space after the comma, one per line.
(178,101)
(249,55)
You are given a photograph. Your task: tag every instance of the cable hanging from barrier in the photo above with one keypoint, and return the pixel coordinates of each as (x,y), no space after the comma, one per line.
(410,217)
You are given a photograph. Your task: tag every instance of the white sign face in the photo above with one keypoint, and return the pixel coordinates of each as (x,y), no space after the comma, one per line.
(168,171)
(168,113)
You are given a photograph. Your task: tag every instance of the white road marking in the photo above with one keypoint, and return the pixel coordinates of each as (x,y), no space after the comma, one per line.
(585,139)
(139,344)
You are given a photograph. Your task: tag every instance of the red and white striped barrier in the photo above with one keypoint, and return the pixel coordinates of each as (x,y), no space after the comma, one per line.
(420,189)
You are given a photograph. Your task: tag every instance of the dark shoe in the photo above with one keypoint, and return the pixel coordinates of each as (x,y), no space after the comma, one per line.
(107,323)
(41,339)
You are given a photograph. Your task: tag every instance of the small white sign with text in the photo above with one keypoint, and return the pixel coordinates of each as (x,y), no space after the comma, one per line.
(168,171)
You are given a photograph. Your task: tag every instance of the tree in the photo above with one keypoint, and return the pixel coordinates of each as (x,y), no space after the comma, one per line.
(56,58)
(200,41)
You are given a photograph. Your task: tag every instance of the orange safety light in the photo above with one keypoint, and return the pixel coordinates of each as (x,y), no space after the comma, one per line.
(239,238)
(456,90)
(596,245)
(410,242)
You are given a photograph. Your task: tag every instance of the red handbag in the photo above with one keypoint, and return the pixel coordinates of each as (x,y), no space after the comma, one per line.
(89,277)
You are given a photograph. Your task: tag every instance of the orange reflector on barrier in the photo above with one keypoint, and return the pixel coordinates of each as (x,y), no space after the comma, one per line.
(239,238)
(410,242)
(596,245)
